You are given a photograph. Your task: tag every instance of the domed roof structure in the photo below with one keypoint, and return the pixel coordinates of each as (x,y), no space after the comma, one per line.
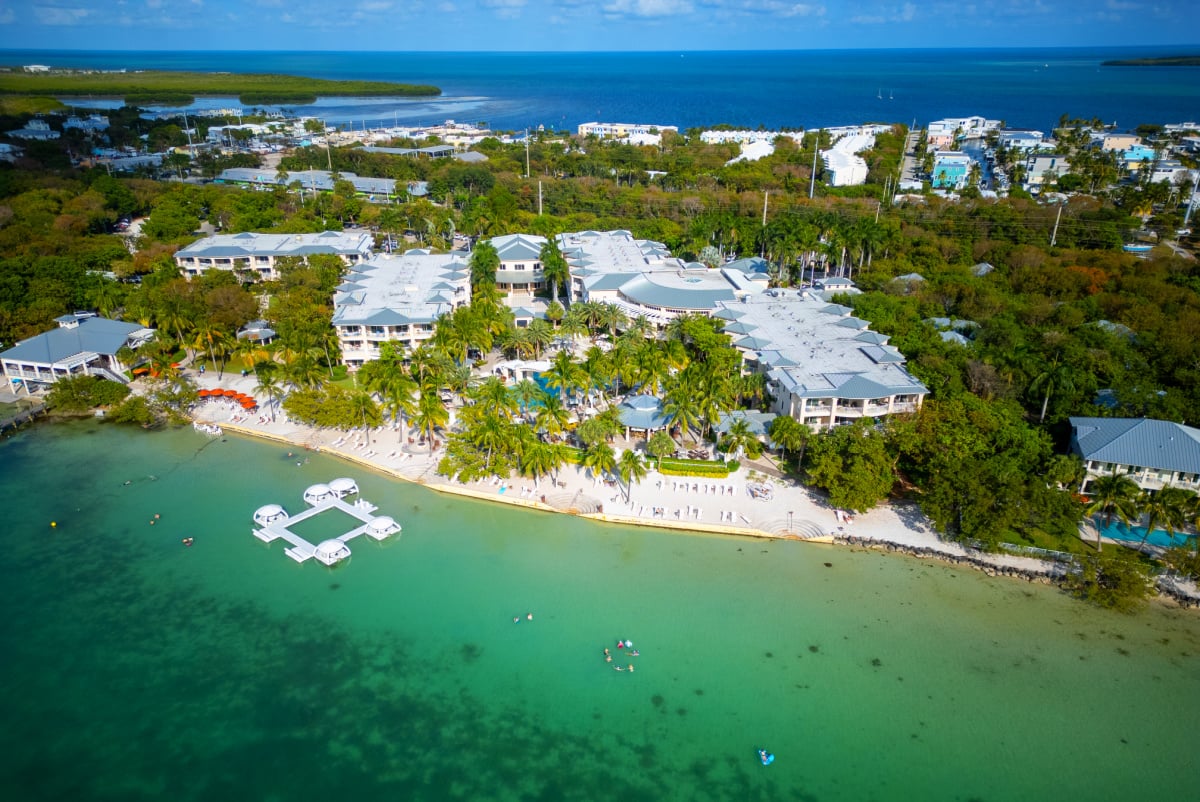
(331,551)
(343,486)
(318,493)
(383,525)
(269,513)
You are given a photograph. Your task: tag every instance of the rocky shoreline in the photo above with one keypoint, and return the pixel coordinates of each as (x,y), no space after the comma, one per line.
(1053,574)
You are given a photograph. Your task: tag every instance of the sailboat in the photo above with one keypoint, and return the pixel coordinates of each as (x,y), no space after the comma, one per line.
(879,94)
(891,94)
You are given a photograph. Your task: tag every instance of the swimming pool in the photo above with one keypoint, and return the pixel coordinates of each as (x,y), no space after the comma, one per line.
(1134,534)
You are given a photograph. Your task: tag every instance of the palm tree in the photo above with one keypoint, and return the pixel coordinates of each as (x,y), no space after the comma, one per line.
(485,261)
(599,458)
(790,435)
(554,267)
(631,467)
(1055,376)
(269,386)
(552,416)
(495,397)
(738,439)
(491,433)
(431,414)
(1114,495)
(564,374)
(525,392)
(660,445)
(363,408)
(682,408)
(1167,507)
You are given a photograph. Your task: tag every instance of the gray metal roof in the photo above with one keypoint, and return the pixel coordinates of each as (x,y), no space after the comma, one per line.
(94,334)
(759,421)
(1141,442)
(644,291)
(642,412)
(873,337)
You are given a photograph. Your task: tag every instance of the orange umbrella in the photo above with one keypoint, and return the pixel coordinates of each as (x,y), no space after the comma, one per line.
(204,393)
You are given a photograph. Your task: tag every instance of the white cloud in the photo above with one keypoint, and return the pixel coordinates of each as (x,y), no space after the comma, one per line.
(153,3)
(904,13)
(374,5)
(781,8)
(1120,5)
(509,9)
(447,8)
(7,16)
(648,8)
(47,15)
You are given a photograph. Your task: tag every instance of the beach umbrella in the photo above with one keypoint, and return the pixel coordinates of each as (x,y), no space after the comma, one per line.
(204,393)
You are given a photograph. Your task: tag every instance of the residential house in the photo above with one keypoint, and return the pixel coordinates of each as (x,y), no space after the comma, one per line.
(951,169)
(1020,139)
(1044,169)
(1153,453)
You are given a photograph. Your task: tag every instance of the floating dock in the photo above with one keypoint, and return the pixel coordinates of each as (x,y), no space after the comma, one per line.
(276,524)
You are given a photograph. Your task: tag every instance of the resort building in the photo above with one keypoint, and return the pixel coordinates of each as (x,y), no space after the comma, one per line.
(744,137)
(92,124)
(397,297)
(520,276)
(255,256)
(824,367)
(382,190)
(1153,453)
(36,129)
(83,344)
(944,133)
(843,167)
(642,279)
(622,130)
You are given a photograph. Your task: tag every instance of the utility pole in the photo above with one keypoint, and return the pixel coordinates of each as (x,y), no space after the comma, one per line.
(328,154)
(1054,236)
(527,153)
(763,253)
(1192,200)
(812,181)
(539,198)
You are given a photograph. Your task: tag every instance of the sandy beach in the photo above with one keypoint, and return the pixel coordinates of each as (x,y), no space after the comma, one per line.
(786,510)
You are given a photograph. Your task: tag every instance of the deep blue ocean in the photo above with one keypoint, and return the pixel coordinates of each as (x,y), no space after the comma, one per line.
(1025,87)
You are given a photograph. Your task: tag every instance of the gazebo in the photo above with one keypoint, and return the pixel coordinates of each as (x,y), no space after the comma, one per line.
(382,526)
(269,514)
(642,412)
(343,487)
(331,551)
(318,493)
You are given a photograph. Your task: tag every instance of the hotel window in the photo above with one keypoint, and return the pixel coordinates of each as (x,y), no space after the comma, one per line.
(519,266)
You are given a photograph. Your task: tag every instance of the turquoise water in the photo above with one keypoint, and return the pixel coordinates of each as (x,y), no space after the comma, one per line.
(136,668)
(1134,534)
(1026,87)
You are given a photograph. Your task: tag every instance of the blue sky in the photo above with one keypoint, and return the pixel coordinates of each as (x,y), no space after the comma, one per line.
(413,25)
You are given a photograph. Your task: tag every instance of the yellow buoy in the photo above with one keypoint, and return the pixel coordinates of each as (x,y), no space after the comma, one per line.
(53,524)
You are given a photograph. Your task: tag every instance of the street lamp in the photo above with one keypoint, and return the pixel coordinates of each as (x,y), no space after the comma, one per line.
(789,522)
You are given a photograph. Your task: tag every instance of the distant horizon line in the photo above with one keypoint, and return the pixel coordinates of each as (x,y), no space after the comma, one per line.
(1195,48)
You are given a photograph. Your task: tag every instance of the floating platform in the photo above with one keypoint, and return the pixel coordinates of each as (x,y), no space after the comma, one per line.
(276,524)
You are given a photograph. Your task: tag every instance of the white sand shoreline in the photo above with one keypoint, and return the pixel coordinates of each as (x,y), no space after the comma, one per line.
(716,507)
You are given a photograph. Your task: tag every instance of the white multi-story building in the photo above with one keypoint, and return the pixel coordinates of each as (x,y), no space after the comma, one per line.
(842,164)
(622,130)
(398,298)
(743,137)
(824,367)
(944,133)
(1153,453)
(255,256)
